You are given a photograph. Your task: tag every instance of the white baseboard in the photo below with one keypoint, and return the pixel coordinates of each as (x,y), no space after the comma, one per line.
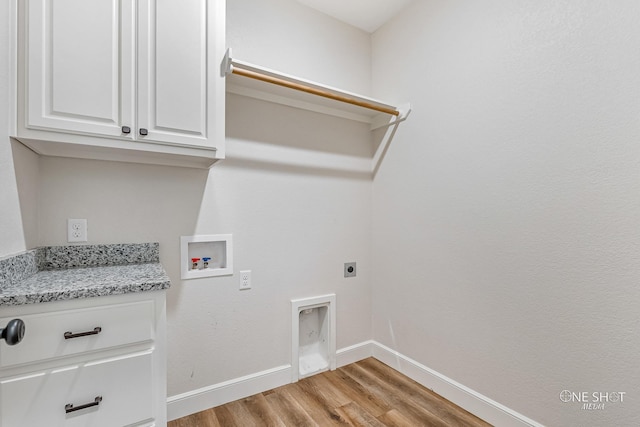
(218,394)
(354,353)
(204,398)
(472,401)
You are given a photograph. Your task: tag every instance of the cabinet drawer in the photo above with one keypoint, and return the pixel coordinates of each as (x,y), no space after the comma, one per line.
(44,337)
(124,385)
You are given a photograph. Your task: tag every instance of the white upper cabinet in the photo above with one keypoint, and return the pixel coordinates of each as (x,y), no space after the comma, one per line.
(80,66)
(173,73)
(132,80)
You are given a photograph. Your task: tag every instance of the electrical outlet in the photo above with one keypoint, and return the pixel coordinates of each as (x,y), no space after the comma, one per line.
(245,279)
(76,230)
(349,269)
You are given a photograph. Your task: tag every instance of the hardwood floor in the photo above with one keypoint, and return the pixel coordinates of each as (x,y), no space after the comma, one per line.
(366,393)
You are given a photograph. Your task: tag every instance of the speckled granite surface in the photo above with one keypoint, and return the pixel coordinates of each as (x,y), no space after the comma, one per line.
(16,268)
(68,272)
(98,255)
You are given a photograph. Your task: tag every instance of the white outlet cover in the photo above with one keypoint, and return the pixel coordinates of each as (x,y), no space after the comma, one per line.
(245,279)
(76,230)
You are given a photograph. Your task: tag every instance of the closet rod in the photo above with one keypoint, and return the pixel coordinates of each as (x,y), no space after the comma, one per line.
(311,90)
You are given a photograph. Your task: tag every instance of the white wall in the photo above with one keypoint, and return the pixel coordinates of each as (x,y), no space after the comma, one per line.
(294,224)
(19,187)
(287,36)
(11,237)
(506,210)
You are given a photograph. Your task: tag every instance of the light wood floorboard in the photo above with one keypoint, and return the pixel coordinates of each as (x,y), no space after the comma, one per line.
(367,393)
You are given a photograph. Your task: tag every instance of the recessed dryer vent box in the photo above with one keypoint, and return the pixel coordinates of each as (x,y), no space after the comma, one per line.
(206,256)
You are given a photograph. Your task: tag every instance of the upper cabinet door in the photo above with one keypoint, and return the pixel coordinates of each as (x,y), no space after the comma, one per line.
(179,79)
(80,73)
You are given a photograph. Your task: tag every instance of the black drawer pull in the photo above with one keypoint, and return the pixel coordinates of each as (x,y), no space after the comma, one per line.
(69,335)
(70,408)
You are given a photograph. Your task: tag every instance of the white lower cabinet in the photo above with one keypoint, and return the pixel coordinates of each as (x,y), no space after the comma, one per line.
(119,324)
(113,392)
(115,377)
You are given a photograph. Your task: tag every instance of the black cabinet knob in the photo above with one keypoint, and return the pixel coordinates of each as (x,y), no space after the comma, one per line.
(13,332)
(143,131)
(126,129)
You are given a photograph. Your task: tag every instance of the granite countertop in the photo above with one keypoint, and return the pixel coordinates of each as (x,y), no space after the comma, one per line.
(57,273)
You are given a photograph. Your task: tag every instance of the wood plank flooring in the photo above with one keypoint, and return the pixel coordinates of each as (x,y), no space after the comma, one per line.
(366,393)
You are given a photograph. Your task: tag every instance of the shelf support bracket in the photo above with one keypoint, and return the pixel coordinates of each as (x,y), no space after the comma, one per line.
(403,112)
(392,127)
(226,67)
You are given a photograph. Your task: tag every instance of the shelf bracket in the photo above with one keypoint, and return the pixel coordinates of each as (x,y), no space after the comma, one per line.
(403,112)
(226,67)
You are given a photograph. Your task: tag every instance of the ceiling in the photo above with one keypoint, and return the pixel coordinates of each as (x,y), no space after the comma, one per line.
(368,15)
